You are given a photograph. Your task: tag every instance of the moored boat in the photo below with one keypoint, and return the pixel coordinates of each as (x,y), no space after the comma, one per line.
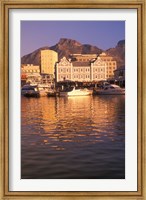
(109,89)
(52,93)
(30,91)
(34,91)
(76,92)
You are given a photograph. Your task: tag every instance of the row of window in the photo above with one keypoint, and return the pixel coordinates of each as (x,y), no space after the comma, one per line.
(99,70)
(99,76)
(85,69)
(87,59)
(64,70)
(113,63)
(107,59)
(29,71)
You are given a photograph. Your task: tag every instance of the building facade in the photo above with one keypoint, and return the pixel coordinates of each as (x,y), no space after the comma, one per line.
(111,64)
(81,70)
(63,70)
(30,73)
(30,69)
(48,60)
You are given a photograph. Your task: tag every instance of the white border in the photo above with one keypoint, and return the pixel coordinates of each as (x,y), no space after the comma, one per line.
(127,184)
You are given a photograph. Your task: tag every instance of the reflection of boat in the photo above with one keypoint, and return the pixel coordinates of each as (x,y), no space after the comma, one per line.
(34,90)
(109,89)
(76,92)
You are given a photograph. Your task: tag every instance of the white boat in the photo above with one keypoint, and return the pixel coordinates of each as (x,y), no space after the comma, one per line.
(76,92)
(43,89)
(109,89)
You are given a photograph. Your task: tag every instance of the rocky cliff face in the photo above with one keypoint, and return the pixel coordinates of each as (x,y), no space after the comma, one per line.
(65,47)
(118,52)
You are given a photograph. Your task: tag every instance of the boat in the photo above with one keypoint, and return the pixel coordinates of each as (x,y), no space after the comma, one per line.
(52,93)
(109,89)
(75,92)
(30,91)
(43,89)
(34,90)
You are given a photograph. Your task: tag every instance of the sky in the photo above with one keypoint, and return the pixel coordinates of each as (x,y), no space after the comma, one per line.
(103,34)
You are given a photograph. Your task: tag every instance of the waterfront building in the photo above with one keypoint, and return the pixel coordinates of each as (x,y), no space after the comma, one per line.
(30,73)
(48,60)
(63,70)
(119,75)
(82,71)
(30,69)
(98,70)
(111,64)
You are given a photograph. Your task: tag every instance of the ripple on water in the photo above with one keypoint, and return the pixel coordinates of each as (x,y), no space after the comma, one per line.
(73,137)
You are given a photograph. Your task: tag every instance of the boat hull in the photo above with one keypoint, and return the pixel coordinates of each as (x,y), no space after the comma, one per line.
(105,93)
(76,92)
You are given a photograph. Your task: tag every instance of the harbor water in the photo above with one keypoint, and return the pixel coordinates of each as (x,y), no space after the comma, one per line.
(73,137)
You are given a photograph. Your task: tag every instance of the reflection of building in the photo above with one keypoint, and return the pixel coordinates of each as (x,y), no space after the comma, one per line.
(48,60)
(81,69)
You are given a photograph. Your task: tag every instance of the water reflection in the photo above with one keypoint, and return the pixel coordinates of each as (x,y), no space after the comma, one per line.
(83,137)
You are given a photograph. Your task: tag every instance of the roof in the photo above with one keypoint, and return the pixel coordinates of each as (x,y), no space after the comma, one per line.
(81,64)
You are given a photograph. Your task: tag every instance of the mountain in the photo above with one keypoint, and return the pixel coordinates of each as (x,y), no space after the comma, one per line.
(118,52)
(65,47)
